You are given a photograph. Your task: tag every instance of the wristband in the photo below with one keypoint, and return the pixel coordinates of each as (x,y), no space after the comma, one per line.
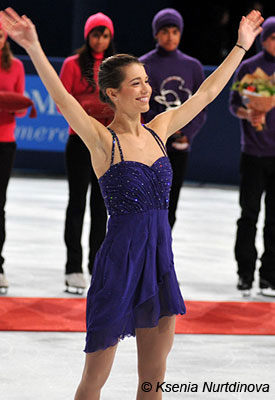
(241,47)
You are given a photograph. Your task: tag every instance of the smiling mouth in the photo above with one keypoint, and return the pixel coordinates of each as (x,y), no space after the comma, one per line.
(144,99)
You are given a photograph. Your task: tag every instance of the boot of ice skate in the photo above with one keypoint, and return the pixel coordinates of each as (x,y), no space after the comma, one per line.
(75,283)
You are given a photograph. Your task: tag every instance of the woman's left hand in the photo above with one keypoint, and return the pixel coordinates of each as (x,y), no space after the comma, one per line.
(249,28)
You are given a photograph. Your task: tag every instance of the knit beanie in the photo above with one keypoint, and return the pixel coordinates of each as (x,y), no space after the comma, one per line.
(167,16)
(268,28)
(98,19)
(5,33)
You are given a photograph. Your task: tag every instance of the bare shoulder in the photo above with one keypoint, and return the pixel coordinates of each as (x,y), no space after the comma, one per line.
(105,135)
(159,125)
(97,135)
(100,146)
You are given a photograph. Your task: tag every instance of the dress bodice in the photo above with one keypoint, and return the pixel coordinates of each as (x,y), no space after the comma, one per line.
(132,187)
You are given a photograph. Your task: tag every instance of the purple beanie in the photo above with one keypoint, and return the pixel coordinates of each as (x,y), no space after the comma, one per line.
(268,28)
(167,16)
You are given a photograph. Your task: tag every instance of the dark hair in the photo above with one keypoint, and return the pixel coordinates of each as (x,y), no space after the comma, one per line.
(86,59)
(6,58)
(111,74)
(169,26)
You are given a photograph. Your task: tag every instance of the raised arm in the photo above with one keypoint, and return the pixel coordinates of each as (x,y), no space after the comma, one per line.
(23,32)
(171,121)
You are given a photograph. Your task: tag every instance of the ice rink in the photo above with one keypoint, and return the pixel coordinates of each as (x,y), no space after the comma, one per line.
(42,365)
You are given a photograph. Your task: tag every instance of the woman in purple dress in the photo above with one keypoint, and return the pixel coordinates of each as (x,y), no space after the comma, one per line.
(134,290)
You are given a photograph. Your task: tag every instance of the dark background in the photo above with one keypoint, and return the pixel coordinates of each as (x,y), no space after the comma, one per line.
(210,29)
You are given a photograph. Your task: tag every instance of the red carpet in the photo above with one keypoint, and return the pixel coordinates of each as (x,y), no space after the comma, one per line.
(203,317)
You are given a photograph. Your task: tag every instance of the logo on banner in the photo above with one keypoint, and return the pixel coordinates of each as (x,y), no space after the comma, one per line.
(47,132)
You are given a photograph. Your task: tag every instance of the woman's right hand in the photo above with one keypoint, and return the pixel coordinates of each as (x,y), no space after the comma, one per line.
(20,29)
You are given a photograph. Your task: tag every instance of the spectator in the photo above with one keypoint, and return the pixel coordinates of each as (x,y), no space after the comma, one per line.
(257,172)
(12,79)
(174,77)
(79,75)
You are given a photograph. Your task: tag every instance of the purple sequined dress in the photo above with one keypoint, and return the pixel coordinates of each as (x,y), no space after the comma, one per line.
(134,282)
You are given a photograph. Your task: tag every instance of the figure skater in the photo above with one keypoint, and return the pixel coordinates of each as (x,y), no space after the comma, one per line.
(134,289)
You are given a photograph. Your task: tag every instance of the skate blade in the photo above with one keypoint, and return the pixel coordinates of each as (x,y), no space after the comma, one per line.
(3,290)
(74,290)
(246,293)
(267,292)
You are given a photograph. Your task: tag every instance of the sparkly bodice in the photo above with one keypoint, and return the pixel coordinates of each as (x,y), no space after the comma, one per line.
(132,187)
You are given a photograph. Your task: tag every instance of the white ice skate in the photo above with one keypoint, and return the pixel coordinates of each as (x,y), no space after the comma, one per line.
(4,284)
(246,293)
(244,286)
(75,283)
(267,292)
(267,288)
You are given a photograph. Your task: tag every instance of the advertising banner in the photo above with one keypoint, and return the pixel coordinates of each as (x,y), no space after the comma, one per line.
(47,132)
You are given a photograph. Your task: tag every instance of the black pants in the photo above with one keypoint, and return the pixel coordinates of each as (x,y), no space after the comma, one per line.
(7,153)
(257,177)
(80,175)
(178,161)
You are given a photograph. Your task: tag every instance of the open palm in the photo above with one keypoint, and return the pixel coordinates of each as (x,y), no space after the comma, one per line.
(249,28)
(20,29)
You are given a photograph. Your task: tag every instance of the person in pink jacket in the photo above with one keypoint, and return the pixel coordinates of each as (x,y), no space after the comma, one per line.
(79,75)
(12,79)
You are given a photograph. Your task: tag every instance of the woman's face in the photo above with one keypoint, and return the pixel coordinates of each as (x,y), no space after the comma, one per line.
(269,44)
(134,93)
(98,41)
(2,39)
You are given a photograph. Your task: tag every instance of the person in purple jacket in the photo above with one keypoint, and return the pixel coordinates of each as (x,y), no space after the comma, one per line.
(257,172)
(174,77)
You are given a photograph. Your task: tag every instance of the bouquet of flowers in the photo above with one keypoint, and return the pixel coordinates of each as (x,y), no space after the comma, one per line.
(258,92)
